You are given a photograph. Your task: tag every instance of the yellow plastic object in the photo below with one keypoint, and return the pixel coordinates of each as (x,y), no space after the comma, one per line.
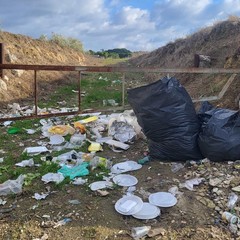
(95,147)
(61,130)
(81,127)
(90,119)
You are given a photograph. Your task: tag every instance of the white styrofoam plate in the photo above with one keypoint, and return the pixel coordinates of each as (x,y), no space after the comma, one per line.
(162,199)
(100,185)
(125,167)
(129,205)
(56,139)
(125,180)
(148,211)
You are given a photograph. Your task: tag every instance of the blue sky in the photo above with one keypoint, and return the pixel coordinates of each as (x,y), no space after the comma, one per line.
(105,24)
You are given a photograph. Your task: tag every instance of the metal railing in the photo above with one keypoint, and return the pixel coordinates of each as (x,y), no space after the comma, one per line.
(123,70)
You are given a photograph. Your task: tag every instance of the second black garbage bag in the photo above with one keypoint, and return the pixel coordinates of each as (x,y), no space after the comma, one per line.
(168,118)
(219,138)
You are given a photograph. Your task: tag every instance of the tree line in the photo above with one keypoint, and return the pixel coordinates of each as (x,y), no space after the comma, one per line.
(112,53)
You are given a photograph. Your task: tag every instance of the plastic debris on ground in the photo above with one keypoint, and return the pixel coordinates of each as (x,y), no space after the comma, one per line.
(125,166)
(12,186)
(74,202)
(95,147)
(41,196)
(26,163)
(2,202)
(30,131)
(77,171)
(56,139)
(35,150)
(117,146)
(52,177)
(96,162)
(176,167)
(62,222)
(121,131)
(79,181)
(232,200)
(1,160)
(100,185)
(189,184)
(139,232)
(61,130)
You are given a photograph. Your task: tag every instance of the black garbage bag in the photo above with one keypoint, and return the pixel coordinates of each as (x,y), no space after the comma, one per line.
(219,137)
(167,116)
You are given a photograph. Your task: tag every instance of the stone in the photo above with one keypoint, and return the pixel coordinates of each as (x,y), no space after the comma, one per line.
(3,85)
(17,73)
(236,189)
(214,182)
(5,78)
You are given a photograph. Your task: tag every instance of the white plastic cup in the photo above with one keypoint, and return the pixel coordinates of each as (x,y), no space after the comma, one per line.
(139,232)
(230,217)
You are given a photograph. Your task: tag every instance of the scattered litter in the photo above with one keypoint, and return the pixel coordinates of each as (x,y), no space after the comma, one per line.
(77,139)
(144,160)
(117,144)
(30,131)
(176,167)
(174,191)
(62,222)
(139,232)
(148,211)
(35,150)
(162,199)
(100,185)
(13,130)
(100,162)
(232,199)
(229,217)
(12,186)
(56,139)
(125,167)
(79,181)
(190,183)
(156,231)
(121,131)
(129,205)
(103,193)
(53,177)
(77,171)
(61,130)
(88,120)
(26,163)
(1,160)
(38,196)
(80,127)
(2,202)
(95,147)
(125,180)
(74,202)
(7,123)
(110,102)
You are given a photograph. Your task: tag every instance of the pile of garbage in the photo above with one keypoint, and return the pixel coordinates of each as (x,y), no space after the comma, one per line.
(122,130)
(175,132)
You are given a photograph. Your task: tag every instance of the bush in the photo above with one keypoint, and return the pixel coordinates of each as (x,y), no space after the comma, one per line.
(64,41)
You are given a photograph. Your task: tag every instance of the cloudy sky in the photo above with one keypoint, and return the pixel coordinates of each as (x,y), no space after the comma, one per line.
(106,24)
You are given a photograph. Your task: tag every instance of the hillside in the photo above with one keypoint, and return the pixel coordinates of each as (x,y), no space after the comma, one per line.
(220,42)
(20,49)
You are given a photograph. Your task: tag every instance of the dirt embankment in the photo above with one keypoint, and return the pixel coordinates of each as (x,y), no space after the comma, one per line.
(20,49)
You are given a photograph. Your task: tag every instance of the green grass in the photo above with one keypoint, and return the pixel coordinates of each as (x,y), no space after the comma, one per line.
(97,86)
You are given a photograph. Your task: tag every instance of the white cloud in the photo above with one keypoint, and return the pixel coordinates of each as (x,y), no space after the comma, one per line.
(114,23)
